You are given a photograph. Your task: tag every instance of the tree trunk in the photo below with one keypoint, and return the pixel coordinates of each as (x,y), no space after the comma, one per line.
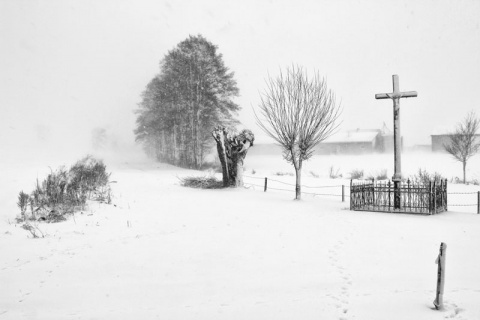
(464,172)
(231,153)
(298,180)
(222,156)
(239,177)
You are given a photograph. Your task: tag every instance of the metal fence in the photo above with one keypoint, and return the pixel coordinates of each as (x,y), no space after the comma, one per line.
(455,199)
(414,197)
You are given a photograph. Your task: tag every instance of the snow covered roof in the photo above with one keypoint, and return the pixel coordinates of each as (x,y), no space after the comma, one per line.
(353,136)
(441,130)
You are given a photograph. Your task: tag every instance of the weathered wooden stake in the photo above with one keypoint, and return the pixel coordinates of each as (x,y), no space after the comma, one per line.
(343,193)
(265,187)
(478,202)
(438,303)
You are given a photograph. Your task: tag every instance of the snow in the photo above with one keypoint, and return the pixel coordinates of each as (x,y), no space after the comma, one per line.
(169,252)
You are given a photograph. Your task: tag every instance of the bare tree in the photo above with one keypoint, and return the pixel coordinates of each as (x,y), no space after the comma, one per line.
(298,113)
(463,141)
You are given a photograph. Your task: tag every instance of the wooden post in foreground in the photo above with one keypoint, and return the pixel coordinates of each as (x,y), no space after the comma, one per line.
(478,202)
(440,276)
(265,187)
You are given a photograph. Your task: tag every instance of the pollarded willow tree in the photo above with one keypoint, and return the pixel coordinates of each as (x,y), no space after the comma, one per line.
(180,106)
(464,142)
(298,112)
(232,149)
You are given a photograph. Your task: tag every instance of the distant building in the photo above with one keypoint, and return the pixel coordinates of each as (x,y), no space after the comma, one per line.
(358,141)
(439,141)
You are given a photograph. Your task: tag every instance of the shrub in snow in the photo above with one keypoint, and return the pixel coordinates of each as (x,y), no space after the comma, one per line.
(382,175)
(63,192)
(315,175)
(22,203)
(281,174)
(423,177)
(206,182)
(334,173)
(356,174)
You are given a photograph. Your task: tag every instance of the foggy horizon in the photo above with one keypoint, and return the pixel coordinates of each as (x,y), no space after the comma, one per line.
(70,67)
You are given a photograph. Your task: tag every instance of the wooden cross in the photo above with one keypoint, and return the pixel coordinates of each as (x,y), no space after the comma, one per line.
(397,140)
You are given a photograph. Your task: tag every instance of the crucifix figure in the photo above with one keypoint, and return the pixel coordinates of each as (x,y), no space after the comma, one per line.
(397,140)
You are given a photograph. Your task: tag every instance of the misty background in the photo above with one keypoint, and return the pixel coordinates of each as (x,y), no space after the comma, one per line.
(68,68)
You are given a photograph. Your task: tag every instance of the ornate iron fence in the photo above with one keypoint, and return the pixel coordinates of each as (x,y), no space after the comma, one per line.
(414,197)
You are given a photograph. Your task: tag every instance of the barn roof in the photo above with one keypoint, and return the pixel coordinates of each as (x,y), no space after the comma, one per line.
(353,136)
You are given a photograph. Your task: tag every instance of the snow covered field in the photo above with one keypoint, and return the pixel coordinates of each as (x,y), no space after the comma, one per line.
(163,251)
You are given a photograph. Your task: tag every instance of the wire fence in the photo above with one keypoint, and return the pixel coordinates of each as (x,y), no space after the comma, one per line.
(473,199)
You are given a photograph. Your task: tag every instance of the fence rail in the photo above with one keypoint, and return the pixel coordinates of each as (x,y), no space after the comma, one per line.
(416,202)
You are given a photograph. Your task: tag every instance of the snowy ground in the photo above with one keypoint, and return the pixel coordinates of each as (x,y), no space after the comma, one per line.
(163,251)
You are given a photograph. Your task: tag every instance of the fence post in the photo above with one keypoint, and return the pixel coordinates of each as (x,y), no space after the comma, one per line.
(265,187)
(438,302)
(446,195)
(351,194)
(429,197)
(373,192)
(389,202)
(441,194)
(409,195)
(343,193)
(435,196)
(478,202)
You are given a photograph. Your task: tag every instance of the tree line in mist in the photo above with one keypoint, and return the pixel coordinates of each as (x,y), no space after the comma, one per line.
(181,105)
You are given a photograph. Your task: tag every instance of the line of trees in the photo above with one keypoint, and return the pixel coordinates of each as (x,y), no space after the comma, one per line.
(182,104)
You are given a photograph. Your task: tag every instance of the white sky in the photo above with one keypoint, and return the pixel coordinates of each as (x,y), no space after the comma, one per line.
(75,65)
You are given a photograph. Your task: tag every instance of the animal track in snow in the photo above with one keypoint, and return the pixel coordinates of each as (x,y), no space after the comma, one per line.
(341,297)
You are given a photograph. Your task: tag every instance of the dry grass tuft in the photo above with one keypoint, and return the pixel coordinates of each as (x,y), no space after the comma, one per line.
(205,182)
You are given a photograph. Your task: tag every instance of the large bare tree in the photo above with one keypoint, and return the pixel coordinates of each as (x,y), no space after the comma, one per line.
(464,142)
(298,112)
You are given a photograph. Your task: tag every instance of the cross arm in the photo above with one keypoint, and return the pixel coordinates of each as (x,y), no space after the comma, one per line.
(408,94)
(383,96)
(396,95)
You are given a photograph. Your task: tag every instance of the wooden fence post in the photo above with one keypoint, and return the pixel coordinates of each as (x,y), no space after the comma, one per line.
(446,195)
(343,193)
(351,194)
(438,303)
(373,193)
(265,187)
(478,202)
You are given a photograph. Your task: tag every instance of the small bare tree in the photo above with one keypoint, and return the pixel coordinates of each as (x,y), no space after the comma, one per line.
(298,113)
(463,141)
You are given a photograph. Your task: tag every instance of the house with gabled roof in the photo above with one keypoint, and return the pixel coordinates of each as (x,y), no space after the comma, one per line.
(358,141)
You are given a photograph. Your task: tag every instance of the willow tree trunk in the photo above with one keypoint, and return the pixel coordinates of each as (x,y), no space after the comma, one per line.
(298,181)
(232,150)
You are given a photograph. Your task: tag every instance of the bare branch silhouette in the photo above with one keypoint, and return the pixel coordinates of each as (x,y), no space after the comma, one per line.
(298,113)
(463,141)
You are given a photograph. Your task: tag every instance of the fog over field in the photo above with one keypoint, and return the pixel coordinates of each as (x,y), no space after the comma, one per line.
(69,67)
